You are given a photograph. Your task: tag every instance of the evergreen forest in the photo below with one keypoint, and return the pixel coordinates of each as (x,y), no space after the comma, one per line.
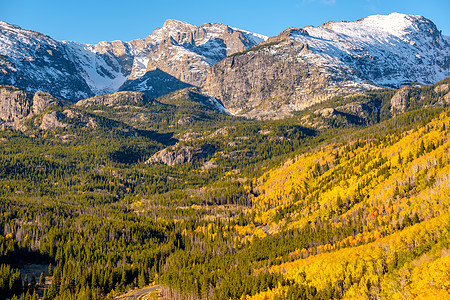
(315,206)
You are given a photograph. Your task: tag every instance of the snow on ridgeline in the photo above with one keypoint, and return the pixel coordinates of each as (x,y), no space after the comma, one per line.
(67,68)
(256,37)
(388,50)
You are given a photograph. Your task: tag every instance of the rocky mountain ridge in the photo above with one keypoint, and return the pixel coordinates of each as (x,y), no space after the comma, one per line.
(17,106)
(301,67)
(71,70)
(249,74)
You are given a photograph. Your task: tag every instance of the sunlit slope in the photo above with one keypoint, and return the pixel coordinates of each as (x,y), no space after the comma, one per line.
(385,204)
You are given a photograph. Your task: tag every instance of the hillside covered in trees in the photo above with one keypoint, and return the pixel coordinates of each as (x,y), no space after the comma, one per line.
(346,204)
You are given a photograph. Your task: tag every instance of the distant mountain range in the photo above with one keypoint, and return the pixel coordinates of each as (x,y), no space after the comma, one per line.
(250,74)
(71,70)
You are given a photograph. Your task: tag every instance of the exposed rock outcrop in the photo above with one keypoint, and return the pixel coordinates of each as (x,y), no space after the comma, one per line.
(400,100)
(270,81)
(52,120)
(42,101)
(358,108)
(16,106)
(128,97)
(180,155)
(80,119)
(442,88)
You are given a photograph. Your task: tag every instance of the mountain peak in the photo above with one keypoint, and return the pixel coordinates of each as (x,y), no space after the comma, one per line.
(395,24)
(4,24)
(380,50)
(399,24)
(171,23)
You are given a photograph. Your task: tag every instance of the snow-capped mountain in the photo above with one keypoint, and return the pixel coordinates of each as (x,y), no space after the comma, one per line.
(387,50)
(71,70)
(33,61)
(288,72)
(301,67)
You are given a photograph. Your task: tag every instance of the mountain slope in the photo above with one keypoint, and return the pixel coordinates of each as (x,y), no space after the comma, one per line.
(186,51)
(33,61)
(17,106)
(384,204)
(355,218)
(251,75)
(301,67)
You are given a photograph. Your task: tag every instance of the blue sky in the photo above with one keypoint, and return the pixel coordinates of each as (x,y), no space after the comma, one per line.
(91,21)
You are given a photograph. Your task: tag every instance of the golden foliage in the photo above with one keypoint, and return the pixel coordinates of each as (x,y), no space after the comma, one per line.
(395,191)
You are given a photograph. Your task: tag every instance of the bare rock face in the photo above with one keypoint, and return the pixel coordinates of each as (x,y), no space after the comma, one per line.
(400,100)
(442,88)
(447,98)
(42,101)
(269,81)
(52,120)
(443,92)
(15,104)
(66,119)
(326,112)
(180,155)
(358,108)
(127,97)
(80,119)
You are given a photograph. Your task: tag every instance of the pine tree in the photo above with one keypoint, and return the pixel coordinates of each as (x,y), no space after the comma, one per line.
(141,280)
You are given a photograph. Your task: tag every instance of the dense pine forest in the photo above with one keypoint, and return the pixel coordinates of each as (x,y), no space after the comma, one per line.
(310,207)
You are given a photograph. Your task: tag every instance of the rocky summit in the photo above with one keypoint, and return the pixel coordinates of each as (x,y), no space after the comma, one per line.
(178,54)
(301,67)
(251,75)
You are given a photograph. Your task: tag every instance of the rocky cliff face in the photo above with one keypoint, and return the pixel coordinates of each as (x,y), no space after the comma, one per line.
(17,105)
(301,67)
(269,81)
(114,99)
(400,100)
(186,51)
(180,155)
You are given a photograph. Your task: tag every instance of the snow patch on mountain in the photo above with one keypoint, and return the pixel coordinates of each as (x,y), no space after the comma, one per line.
(140,63)
(256,38)
(387,50)
(101,72)
(73,70)
(220,106)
